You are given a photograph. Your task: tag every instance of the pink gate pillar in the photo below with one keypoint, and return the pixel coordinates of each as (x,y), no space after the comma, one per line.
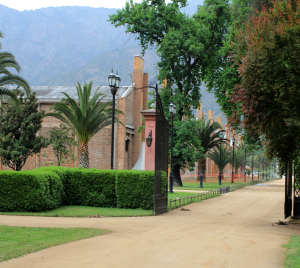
(149,116)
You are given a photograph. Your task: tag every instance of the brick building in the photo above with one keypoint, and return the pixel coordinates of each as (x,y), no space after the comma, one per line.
(129,99)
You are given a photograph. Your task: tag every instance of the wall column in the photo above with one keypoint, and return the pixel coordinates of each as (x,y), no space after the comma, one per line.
(149,151)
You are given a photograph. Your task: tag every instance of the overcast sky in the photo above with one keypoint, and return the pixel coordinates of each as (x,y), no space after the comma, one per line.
(36,4)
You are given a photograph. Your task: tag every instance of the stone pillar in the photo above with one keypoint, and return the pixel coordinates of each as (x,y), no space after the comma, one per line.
(149,116)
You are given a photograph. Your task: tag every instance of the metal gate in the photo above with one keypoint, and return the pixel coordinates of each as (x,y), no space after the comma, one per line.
(297,187)
(161,157)
(288,190)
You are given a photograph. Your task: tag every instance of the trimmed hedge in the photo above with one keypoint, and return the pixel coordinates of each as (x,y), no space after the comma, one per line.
(30,191)
(135,188)
(91,187)
(47,188)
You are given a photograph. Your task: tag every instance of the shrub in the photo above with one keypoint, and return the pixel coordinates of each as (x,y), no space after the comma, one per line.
(30,191)
(135,188)
(91,187)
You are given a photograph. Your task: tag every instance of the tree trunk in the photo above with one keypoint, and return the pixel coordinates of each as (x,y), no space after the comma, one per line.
(84,156)
(201,168)
(177,178)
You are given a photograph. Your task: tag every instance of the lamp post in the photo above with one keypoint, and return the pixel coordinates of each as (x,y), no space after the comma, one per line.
(233,141)
(221,136)
(252,163)
(245,165)
(263,168)
(172,109)
(258,166)
(114,83)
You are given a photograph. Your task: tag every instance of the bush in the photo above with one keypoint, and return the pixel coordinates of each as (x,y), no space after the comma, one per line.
(135,189)
(30,191)
(49,187)
(91,187)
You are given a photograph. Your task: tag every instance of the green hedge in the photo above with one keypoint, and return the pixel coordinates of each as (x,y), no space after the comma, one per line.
(47,188)
(30,191)
(91,187)
(135,189)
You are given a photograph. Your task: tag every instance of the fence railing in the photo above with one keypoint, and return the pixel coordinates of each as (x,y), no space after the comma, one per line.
(182,201)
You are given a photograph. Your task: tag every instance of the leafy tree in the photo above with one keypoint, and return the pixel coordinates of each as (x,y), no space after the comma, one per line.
(221,81)
(226,156)
(186,149)
(7,60)
(62,141)
(18,139)
(268,95)
(187,46)
(208,136)
(85,116)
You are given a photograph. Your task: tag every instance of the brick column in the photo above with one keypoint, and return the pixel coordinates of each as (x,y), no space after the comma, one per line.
(149,151)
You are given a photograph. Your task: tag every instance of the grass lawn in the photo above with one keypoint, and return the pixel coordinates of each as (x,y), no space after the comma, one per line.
(207,186)
(82,211)
(18,241)
(292,259)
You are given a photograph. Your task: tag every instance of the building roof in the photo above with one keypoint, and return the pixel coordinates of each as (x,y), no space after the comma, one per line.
(54,93)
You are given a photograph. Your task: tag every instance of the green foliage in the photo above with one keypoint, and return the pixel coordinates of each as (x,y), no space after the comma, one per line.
(50,187)
(62,143)
(186,45)
(226,156)
(7,60)
(265,51)
(135,189)
(30,190)
(85,116)
(91,187)
(187,147)
(18,139)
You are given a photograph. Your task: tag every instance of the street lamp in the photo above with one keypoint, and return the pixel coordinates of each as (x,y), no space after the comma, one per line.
(221,136)
(252,163)
(233,141)
(258,166)
(114,83)
(172,109)
(245,164)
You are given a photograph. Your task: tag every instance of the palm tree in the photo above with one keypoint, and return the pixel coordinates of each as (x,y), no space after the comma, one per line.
(239,158)
(85,116)
(209,137)
(226,156)
(7,60)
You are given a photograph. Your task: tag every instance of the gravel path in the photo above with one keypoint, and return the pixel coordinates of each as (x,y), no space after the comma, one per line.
(234,230)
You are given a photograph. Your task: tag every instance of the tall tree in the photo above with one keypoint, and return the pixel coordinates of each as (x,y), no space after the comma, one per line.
(86,116)
(187,46)
(18,131)
(208,135)
(187,149)
(268,95)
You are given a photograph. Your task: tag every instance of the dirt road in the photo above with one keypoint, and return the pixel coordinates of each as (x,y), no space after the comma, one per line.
(233,231)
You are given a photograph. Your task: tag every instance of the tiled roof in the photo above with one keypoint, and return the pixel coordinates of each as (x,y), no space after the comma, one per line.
(52,93)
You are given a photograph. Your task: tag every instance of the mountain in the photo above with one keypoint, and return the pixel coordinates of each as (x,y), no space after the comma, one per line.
(99,68)
(51,41)
(62,45)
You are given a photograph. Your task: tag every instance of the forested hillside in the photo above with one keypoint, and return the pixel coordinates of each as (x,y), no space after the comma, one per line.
(62,45)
